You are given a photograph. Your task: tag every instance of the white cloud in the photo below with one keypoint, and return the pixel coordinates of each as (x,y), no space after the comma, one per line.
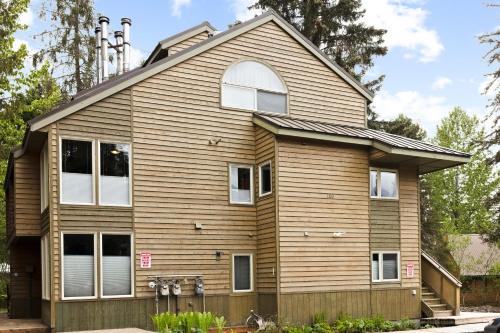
(177,6)
(26,17)
(405,24)
(136,57)
(441,82)
(241,10)
(426,110)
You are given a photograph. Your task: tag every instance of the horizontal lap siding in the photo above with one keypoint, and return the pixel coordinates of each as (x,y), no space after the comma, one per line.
(323,189)
(384,225)
(187,43)
(266,216)
(27,195)
(410,224)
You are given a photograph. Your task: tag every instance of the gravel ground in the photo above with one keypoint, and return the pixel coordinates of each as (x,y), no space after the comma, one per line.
(483,308)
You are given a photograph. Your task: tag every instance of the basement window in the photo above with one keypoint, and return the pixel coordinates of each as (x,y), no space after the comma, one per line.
(114,175)
(116,265)
(265,180)
(385,266)
(78,266)
(241,184)
(242,272)
(77,185)
(383,183)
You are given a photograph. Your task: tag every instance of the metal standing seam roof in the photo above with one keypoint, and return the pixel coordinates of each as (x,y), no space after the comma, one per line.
(357,132)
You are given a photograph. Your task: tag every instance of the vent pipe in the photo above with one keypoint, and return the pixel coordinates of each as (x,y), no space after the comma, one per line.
(119,52)
(126,23)
(98,59)
(104,21)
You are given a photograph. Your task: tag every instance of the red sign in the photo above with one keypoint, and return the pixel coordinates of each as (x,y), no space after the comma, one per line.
(145,259)
(410,270)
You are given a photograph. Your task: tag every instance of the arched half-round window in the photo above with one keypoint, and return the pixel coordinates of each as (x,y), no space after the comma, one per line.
(254,86)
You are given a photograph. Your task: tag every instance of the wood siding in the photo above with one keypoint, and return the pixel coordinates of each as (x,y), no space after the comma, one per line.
(323,189)
(27,195)
(384,225)
(187,43)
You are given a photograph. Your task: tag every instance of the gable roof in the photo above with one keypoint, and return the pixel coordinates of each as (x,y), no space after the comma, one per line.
(118,83)
(388,143)
(474,255)
(177,38)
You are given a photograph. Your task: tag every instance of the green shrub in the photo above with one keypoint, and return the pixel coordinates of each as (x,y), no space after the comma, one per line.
(204,321)
(220,323)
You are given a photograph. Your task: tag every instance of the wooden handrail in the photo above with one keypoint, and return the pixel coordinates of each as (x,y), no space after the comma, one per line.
(443,270)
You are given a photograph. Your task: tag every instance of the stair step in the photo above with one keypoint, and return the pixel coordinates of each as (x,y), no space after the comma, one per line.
(432,300)
(428,294)
(439,306)
(442,313)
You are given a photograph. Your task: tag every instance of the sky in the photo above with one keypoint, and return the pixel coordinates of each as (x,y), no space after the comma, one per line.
(434,63)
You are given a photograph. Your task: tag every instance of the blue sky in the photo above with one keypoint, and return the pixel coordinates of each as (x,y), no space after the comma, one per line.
(434,61)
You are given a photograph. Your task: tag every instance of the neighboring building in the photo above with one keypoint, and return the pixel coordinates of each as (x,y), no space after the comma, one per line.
(242,158)
(479,264)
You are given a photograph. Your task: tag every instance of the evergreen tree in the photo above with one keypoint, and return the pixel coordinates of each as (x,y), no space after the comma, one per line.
(69,42)
(401,125)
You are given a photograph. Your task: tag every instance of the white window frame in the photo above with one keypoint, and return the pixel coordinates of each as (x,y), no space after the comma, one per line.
(44,177)
(247,166)
(379,183)
(255,102)
(381,266)
(132,267)
(234,275)
(45,261)
(61,172)
(129,171)
(94,234)
(263,194)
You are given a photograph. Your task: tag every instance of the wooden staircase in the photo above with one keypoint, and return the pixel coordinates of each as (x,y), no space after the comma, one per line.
(432,305)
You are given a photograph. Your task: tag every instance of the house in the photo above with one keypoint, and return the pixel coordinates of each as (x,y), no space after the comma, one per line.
(479,264)
(238,159)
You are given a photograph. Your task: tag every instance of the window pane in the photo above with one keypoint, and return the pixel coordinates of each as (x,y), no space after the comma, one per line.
(116,270)
(373,183)
(242,271)
(241,184)
(265,178)
(238,97)
(375,267)
(271,102)
(388,184)
(114,180)
(76,159)
(390,264)
(78,265)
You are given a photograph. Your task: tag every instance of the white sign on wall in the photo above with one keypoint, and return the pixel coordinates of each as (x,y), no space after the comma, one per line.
(145,259)
(410,270)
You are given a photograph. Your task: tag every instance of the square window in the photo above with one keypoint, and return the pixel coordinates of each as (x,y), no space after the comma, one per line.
(271,102)
(385,266)
(265,179)
(242,272)
(388,184)
(77,170)
(375,267)
(241,184)
(390,267)
(116,265)
(78,265)
(114,179)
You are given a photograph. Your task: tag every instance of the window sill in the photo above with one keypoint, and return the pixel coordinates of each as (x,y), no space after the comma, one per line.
(384,199)
(265,195)
(97,207)
(244,204)
(254,111)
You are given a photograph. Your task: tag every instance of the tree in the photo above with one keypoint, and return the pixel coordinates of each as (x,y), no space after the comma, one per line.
(69,42)
(401,125)
(492,140)
(457,196)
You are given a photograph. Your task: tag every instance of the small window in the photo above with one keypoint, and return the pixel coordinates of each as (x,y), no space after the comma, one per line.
(78,266)
(242,272)
(44,178)
(45,255)
(385,266)
(114,178)
(77,185)
(241,184)
(116,265)
(383,183)
(271,102)
(265,181)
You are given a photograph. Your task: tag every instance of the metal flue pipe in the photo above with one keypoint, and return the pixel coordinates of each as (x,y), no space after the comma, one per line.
(126,23)
(104,21)
(98,59)
(119,52)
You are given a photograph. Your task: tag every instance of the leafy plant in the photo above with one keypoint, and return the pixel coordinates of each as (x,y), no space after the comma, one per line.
(188,321)
(220,323)
(204,321)
(165,322)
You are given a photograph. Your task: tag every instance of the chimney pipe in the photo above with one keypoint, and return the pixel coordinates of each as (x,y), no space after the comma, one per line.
(119,52)
(126,23)
(104,21)
(98,59)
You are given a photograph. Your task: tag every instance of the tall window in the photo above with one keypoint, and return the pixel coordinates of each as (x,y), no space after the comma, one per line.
(116,265)
(44,178)
(385,266)
(79,266)
(242,272)
(114,179)
(45,267)
(252,85)
(383,183)
(241,184)
(265,180)
(77,185)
